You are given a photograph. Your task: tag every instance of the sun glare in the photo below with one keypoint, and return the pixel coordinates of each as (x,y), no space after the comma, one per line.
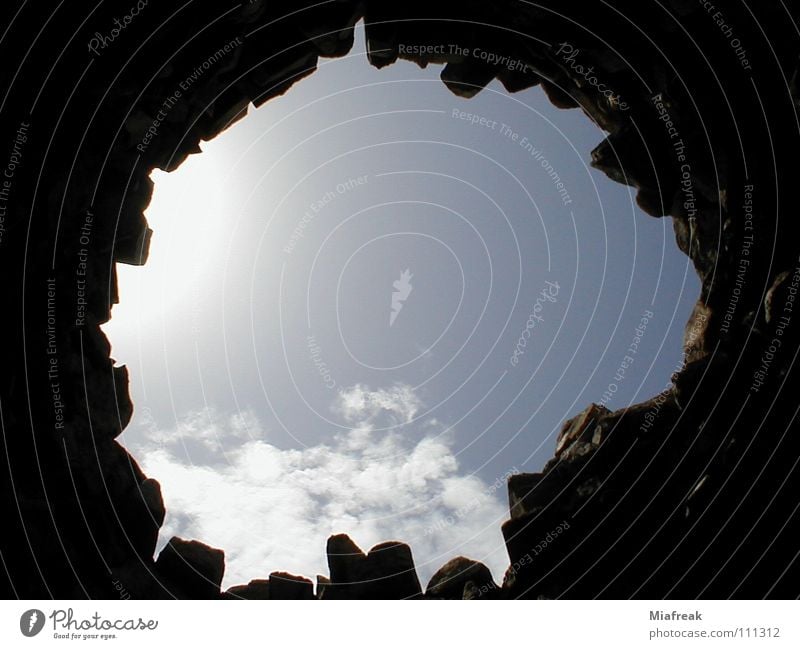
(187,215)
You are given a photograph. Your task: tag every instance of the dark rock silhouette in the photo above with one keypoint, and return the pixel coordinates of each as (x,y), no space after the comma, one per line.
(283,585)
(386,572)
(191,568)
(462,578)
(254,589)
(691,494)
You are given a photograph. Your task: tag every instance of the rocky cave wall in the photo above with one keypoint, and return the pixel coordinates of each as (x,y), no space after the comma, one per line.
(691,494)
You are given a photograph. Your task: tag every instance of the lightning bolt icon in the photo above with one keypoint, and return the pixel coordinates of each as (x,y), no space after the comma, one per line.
(34,618)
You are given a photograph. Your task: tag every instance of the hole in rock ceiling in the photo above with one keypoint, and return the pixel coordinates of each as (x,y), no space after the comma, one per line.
(369,301)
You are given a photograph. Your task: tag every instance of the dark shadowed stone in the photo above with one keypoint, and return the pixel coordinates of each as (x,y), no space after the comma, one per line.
(347,564)
(255,589)
(386,573)
(652,202)
(462,578)
(515,80)
(622,426)
(150,493)
(774,301)
(467,79)
(391,572)
(134,249)
(283,585)
(484,592)
(124,404)
(471,591)
(730,412)
(322,583)
(332,33)
(191,569)
(579,428)
(558,96)
(381,32)
(524,493)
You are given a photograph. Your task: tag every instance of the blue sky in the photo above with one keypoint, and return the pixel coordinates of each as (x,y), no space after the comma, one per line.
(277,399)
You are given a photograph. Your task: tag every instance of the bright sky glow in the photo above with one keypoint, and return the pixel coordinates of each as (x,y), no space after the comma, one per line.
(327,336)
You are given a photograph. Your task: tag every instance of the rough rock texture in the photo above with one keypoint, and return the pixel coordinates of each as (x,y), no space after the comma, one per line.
(191,568)
(692,494)
(346,565)
(391,572)
(462,578)
(254,589)
(282,585)
(386,572)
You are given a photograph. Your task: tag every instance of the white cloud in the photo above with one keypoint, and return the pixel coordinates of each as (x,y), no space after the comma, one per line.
(273,509)
(361,404)
(201,426)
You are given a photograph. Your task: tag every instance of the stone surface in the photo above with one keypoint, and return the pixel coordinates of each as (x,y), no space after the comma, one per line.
(462,578)
(522,490)
(149,494)
(283,585)
(254,589)
(347,566)
(387,572)
(391,573)
(579,428)
(322,583)
(678,496)
(191,569)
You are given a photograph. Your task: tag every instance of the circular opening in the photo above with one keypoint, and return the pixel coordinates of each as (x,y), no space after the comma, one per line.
(370,301)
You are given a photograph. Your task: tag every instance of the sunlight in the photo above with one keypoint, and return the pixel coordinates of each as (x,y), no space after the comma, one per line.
(188,217)
(269,358)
